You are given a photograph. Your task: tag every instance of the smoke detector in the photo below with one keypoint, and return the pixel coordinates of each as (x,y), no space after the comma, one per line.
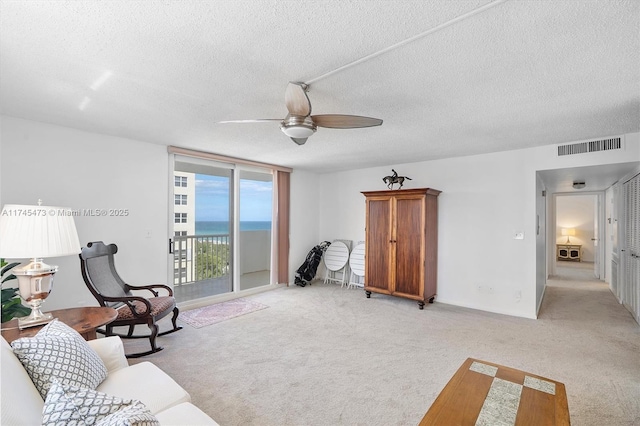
(578,185)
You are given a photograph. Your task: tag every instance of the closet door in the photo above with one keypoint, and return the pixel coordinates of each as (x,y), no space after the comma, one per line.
(632,246)
(409,245)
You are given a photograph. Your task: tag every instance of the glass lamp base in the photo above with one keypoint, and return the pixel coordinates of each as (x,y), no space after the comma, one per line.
(27,322)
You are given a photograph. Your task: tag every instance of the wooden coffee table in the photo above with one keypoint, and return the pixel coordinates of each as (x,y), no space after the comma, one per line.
(83,320)
(483,393)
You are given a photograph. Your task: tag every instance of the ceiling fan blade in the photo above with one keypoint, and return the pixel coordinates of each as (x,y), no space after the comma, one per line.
(340,121)
(296,99)
(258,120)
(299,141)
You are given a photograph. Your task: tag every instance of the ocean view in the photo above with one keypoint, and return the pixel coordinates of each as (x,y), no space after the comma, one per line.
(222,227)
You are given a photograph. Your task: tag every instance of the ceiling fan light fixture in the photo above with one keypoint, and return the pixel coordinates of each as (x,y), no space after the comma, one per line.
(297,131)
(298,127)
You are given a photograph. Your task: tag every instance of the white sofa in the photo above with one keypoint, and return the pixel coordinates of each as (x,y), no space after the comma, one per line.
(168,401)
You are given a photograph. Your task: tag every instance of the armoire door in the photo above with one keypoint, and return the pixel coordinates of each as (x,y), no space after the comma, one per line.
(378,243)
(409,247)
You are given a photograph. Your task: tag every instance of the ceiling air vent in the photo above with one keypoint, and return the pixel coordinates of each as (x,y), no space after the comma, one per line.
(592,146)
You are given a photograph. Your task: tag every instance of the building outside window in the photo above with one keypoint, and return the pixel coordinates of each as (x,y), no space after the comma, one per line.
(184,225)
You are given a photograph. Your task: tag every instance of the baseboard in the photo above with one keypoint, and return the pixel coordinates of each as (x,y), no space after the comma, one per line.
(485,309)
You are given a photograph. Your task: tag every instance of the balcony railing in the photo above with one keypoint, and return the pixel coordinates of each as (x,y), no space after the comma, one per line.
(200,257)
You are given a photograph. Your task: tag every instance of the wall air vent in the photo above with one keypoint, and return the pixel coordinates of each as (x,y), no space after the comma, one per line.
(592,146)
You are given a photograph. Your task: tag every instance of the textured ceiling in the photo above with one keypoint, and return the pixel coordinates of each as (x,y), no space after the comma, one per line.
(510,75)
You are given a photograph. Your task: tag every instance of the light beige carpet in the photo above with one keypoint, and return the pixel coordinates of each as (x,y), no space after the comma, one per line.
(325,355)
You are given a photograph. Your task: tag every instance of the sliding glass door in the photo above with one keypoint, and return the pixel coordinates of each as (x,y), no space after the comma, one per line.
(202,238)
(222,225)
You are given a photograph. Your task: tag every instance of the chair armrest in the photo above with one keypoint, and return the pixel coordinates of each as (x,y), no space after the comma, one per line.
(151,288)
(128,301)
(111,351)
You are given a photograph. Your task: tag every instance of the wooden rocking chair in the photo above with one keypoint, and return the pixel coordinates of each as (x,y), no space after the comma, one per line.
(100,276)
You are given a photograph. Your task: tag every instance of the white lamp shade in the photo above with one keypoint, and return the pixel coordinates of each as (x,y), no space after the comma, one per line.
(568,231)
(37,232)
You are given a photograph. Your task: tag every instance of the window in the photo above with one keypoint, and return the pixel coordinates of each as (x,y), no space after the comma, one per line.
(180,181)
(180,218)
(180,199)
(180,233)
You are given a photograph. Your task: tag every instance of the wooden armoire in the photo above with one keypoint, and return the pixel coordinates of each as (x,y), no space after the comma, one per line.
(401,244)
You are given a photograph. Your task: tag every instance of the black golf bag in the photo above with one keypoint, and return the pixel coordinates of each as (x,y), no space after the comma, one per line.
(307,271)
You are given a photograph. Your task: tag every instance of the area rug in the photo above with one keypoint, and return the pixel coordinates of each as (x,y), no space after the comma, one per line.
(212,314)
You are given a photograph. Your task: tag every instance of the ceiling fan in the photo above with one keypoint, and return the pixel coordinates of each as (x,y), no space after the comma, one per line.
(299,124)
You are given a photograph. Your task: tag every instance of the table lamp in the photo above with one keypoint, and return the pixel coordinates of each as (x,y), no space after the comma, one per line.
(567,232)
(36,232)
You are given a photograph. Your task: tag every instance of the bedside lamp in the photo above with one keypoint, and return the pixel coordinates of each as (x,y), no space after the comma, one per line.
(36,232)
(568,232)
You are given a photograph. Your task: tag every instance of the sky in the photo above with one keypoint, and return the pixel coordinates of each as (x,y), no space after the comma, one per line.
(212,199)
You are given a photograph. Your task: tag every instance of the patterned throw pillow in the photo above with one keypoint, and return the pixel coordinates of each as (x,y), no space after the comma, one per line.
(78,406)
(59,352)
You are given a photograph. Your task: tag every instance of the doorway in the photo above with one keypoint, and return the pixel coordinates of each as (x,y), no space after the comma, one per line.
(577,240)
(609,182)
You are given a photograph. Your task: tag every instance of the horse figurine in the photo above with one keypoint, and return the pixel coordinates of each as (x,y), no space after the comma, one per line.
(394,178)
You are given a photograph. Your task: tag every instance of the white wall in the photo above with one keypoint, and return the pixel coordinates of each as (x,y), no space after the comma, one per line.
(485,201)
(71,168)
(609,236)
(304,218)
(1,201)
(479,212)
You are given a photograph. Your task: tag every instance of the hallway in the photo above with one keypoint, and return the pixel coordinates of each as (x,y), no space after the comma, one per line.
(574,293)
(574,271)
(598,334)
